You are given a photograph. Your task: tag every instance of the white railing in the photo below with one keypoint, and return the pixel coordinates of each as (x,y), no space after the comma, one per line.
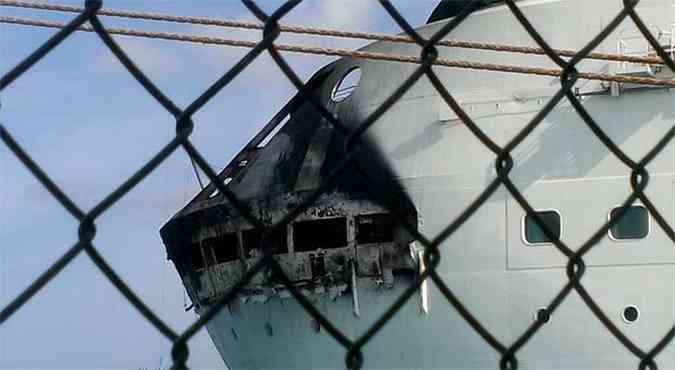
(633,43)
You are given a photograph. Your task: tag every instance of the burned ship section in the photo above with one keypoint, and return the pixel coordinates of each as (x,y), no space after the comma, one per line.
(346,235)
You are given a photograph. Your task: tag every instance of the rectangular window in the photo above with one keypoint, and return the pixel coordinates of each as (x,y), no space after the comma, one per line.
(196,257)
(253,237)
(324,234)
(633,224)
(225,247)
(378,228)
(534,234)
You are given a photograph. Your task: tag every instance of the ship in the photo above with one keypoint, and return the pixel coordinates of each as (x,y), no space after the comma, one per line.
(352,256)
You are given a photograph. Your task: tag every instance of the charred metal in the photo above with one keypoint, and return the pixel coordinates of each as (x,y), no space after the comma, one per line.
(314,252)
(344,235)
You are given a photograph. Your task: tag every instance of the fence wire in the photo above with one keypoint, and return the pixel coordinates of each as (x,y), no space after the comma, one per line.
(504,164)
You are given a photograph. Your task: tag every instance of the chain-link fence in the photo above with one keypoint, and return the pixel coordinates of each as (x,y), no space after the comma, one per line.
(504,164)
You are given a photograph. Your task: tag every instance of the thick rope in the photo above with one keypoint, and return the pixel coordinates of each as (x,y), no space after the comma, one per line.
(353,54)
(326,32)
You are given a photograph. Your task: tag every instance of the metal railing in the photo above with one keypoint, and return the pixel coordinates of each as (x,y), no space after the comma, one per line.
(635,45)
(504,164)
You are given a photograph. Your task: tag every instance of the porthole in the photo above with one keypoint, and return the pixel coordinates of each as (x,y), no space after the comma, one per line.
(346,86)
(543,315)
(535,235)
(633,224)
(630,314)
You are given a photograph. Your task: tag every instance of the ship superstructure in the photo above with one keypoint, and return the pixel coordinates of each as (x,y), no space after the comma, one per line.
(352,259)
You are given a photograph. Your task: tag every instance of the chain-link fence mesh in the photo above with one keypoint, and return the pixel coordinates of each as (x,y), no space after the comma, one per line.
(504,164)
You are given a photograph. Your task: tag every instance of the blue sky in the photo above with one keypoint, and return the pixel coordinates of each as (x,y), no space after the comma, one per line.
(90,126)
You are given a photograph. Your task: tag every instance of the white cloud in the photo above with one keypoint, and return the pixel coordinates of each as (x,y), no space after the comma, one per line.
(344,15)
(347,15)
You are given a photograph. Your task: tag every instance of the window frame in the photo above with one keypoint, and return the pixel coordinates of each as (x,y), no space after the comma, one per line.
(385,214)
(237,251)
(629,240)
(202,252)
(523,225)
(347,236)
(339,82)
(244,245)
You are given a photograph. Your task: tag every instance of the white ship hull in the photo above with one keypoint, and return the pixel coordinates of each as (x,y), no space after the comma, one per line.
(487,263)
(505,302)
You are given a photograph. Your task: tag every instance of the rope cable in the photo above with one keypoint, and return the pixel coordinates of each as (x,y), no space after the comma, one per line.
(325,32)
(461,64)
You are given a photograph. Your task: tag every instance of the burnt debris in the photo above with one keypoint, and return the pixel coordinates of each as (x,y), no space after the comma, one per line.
(347,233)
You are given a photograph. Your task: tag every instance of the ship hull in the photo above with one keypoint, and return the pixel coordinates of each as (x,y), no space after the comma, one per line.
(505,303)
(488,263)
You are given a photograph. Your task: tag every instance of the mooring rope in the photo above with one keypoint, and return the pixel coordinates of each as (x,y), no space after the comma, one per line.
(325,32)
(207,40)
